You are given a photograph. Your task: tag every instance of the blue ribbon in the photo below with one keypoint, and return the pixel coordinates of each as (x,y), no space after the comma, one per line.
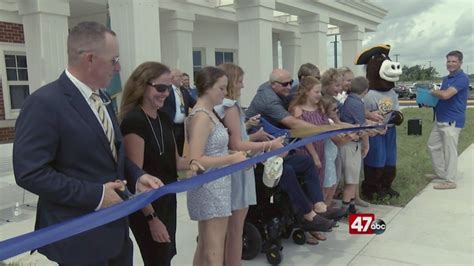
(36,239)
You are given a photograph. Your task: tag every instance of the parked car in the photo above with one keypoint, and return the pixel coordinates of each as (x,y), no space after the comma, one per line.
(402,91)
(412,92)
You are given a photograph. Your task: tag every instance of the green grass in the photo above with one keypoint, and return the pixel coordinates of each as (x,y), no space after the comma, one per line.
(9,264)
(413,159)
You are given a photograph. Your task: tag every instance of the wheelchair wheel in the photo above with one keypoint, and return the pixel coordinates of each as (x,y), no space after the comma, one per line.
(251,242)
(274,256)
(299,237)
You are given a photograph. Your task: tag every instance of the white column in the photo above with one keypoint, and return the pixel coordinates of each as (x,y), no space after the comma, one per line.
(210,53)
(177,50)
(351,40)
(291,52)
(313,31)
(255,43)
(275,39)
(45,23)
(137,26)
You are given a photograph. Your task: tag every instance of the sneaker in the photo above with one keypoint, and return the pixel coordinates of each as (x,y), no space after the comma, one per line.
(351,209)
(382,194)
(392,193)
(318,223)
(445,185)
(361,203)
(333,214)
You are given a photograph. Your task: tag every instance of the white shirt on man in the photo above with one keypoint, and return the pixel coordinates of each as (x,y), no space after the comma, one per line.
(179,98)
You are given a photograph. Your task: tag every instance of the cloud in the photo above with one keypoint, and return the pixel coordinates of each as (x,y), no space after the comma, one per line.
(401,9)
(423,32)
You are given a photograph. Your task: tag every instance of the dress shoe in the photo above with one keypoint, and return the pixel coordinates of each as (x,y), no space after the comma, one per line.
(318,223)
(333,214)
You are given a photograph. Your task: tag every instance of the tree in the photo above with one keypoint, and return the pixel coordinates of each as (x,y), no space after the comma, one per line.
(418,72)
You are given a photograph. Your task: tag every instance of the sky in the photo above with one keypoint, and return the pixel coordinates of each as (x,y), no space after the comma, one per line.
(426,30)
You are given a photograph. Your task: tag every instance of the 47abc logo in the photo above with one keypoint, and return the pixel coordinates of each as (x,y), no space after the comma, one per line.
(365,223)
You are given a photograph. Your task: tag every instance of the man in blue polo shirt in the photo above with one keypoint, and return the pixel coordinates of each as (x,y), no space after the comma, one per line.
(450,115)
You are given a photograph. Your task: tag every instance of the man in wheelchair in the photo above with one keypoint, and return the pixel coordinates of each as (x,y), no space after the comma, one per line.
(271,102)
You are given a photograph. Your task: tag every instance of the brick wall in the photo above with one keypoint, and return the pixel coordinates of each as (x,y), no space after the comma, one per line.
(7,134)
(11,32)
(2,105)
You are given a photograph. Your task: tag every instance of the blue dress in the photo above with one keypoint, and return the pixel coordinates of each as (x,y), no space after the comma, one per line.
(213,199)
(330,155)
(243,181)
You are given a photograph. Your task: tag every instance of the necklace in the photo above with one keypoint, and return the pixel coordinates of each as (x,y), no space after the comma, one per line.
(161,147)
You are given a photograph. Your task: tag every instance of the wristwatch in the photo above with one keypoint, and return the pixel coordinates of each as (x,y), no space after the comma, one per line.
(151,216)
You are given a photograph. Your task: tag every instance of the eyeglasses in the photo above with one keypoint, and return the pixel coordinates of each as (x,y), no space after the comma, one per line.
(284,84)
(114,60)
(159,87)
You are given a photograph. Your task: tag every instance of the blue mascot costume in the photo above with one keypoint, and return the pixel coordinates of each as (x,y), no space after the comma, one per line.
(380,163)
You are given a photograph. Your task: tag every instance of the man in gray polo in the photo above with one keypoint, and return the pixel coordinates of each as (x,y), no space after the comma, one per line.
(271,101)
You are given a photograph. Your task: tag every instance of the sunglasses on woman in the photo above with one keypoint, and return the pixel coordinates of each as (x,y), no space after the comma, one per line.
(159,87)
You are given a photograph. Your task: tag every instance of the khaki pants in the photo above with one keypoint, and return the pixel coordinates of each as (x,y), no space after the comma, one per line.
(443,146)
(351,160)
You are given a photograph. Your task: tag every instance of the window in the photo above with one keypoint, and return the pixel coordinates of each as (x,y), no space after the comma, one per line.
(17,79)
(224,57)
(198,61)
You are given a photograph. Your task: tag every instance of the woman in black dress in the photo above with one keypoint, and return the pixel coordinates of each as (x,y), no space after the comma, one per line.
(149,143)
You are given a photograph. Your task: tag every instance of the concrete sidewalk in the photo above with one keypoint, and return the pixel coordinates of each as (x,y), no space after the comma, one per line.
(436,227)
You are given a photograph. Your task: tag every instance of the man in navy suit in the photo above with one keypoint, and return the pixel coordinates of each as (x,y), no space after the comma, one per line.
(177,106)
(62,153)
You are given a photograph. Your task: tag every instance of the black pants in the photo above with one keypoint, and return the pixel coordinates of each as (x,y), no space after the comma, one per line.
(178,130)
(154,253)
(124,258)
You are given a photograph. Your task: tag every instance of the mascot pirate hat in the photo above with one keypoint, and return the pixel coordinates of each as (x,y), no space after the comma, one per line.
(382,72)
(364,57)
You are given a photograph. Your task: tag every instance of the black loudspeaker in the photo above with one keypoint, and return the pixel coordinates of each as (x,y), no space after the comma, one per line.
(414,127)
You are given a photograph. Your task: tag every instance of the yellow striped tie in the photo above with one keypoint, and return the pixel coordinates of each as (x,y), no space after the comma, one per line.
(108,128)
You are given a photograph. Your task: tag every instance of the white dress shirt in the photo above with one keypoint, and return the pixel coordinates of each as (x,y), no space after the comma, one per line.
(86,92)
(179,97)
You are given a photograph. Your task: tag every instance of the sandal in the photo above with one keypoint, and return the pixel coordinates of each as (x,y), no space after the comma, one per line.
(318,235)
(310,240)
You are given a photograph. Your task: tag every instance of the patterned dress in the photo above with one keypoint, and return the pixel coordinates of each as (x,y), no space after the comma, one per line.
(315,118)
(213,199)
